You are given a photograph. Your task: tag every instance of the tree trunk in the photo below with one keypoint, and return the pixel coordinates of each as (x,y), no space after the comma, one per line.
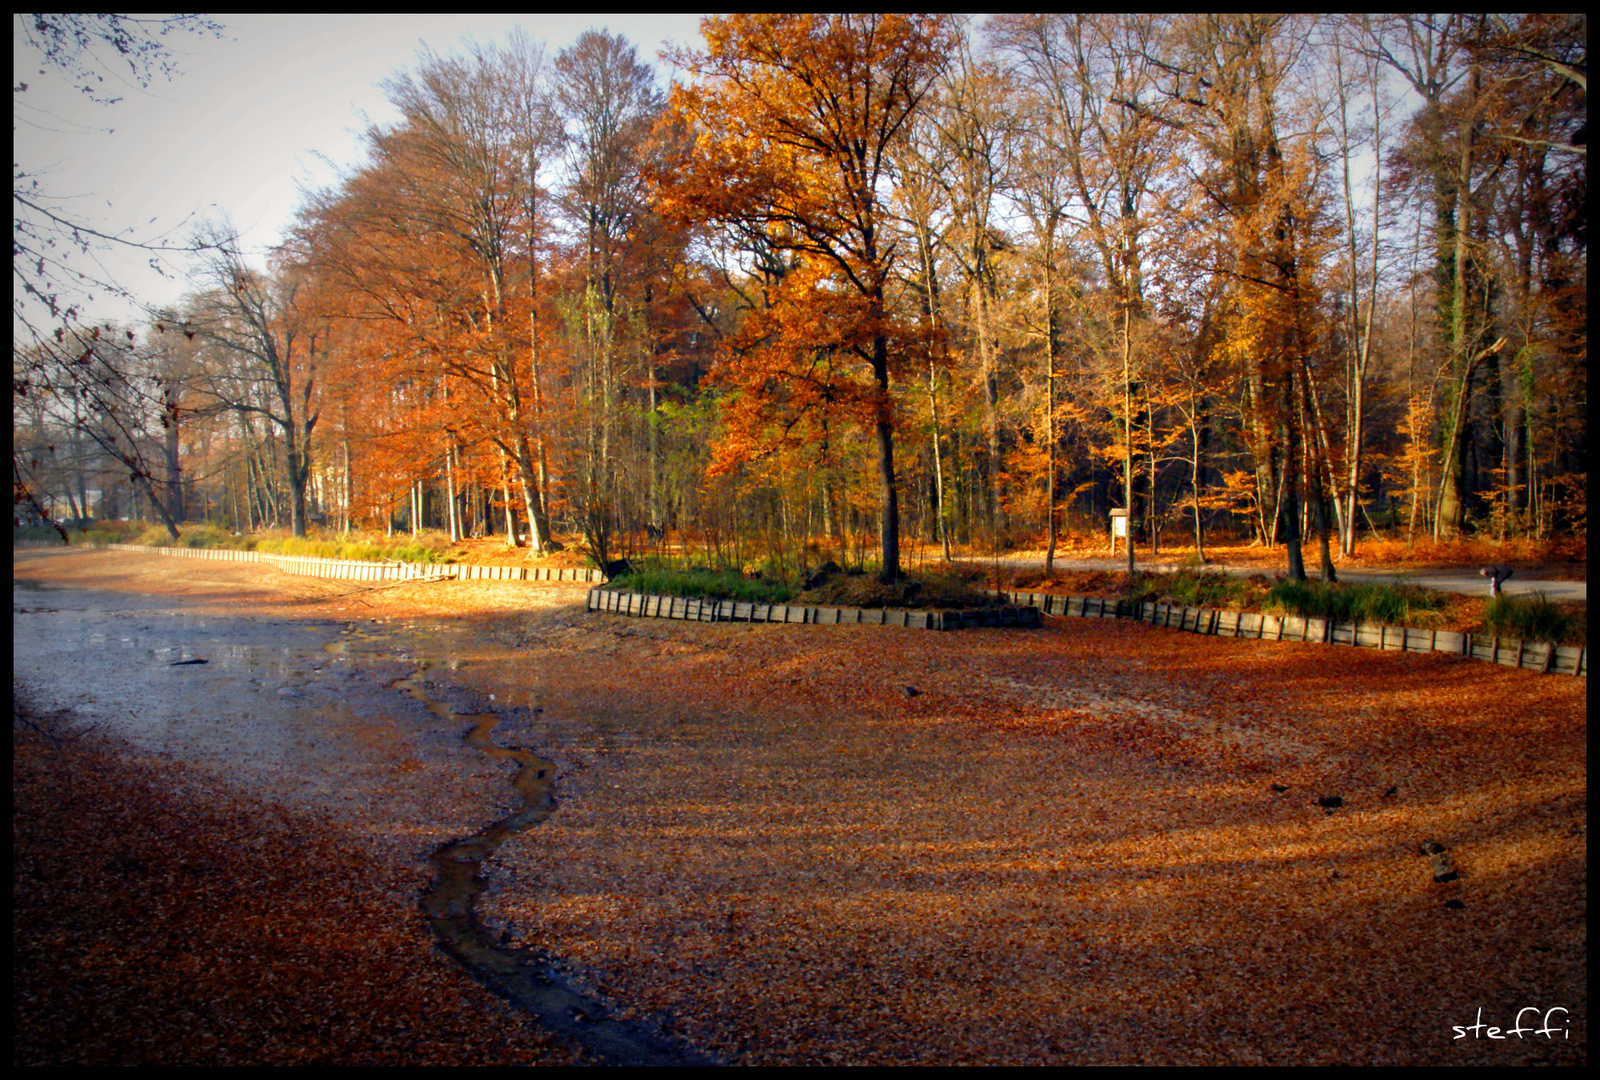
(1452,493)
(1127,426)
(511,516)
(1194,437)
(942,518)
(888,497)
(1291,485)
(454,514)
(528,475)
(1050,483)
(349,488)
(169,422)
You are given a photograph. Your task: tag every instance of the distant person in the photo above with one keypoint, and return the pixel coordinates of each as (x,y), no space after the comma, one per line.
(1496,574)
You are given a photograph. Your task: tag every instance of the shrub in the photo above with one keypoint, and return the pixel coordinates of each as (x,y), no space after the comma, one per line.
(398,549)
(148,536)
(652,576)
(1531,618)
(1394,603)
(201,536)
(36,533)
(1207,589)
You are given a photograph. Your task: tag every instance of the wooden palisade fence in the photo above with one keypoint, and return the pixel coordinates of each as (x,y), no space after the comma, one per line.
(1027,607)
(1538,656)
(693,609)
(1024,611)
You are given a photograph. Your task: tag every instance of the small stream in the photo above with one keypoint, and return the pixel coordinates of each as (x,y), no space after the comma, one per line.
(275,701)
(529,979)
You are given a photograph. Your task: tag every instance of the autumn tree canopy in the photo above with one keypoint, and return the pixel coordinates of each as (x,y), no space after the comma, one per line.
(795,118)
(860,284)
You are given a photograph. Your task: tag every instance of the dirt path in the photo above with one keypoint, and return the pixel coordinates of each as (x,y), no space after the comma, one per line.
(1554,585)
(1091,843)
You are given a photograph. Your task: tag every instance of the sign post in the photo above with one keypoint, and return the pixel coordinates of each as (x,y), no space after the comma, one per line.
(1119,527)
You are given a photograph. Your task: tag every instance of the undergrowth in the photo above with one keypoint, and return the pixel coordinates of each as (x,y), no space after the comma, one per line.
(657,578)
(399,549)
(841,588)
(428,548)
(1392,603)
(1532,618)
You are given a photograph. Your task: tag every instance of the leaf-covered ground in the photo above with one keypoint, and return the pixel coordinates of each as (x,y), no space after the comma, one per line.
(161,918)
(1096,842)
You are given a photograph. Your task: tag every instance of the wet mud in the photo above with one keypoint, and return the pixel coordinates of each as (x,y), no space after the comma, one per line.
(528,978)
(314,712)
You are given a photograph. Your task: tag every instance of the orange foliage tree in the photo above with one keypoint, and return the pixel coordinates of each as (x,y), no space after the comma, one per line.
(436,245)
(795,117)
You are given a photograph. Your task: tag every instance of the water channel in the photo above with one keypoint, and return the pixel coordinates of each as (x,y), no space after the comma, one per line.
(325,715)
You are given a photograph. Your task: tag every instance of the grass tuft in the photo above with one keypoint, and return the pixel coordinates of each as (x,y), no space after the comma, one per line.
(661,580)
(1394,603)
(1531,618)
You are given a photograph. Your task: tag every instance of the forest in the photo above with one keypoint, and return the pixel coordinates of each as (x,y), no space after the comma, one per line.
(882,281)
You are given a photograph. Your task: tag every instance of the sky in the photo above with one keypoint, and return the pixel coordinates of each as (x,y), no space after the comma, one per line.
(252,121)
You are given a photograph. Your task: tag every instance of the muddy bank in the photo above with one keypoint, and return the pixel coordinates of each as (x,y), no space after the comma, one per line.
(159,917)
(1084,844)
(311,712)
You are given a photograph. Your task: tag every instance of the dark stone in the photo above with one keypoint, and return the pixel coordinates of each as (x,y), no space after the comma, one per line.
(1280,787)
(1444,868)
(823,573)
(1332,802)
(1454,905)
(912,691)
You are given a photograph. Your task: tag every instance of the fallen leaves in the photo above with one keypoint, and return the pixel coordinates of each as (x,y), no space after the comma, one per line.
(1067,848)
(1098,842)
(160,918)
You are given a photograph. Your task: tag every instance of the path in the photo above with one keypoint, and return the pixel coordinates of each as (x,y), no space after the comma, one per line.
(1445,579)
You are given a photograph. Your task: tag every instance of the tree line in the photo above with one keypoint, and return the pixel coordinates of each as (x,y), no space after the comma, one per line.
(892,279)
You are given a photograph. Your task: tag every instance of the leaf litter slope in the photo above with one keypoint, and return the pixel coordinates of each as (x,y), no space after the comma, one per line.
(159,917)
(866,845)
(1064,846)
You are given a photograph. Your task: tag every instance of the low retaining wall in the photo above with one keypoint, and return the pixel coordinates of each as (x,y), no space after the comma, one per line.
(527,573)
(649,605)
(1537,656)
(356,570)
(1025,610)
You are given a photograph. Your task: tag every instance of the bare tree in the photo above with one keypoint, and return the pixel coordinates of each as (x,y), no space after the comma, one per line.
(1095,75)
(54,251)
(268,323)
